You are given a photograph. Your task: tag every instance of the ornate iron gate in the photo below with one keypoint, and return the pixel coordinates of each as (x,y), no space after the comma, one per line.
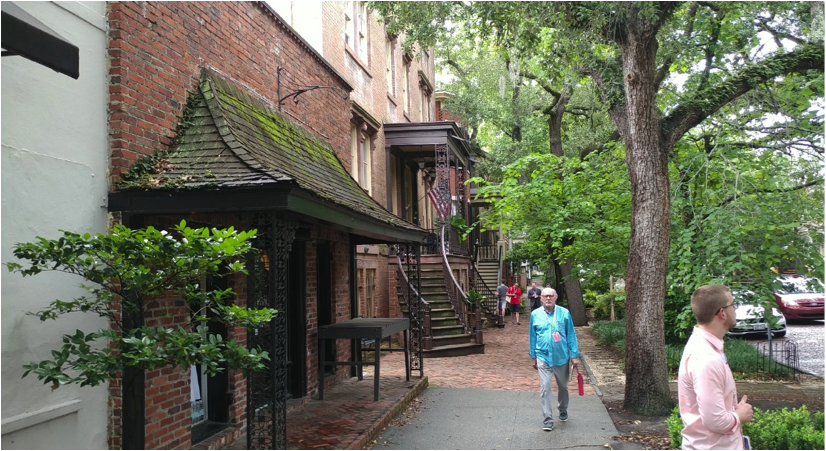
(267,283)
(409,254)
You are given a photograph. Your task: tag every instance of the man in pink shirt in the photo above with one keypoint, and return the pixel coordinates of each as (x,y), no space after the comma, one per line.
(708,397)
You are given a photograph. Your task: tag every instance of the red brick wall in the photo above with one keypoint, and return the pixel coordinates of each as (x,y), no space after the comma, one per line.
(156,50)
(341,302)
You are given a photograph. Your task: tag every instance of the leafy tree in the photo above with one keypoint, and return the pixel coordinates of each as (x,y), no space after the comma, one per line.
(665,71)
(128,273)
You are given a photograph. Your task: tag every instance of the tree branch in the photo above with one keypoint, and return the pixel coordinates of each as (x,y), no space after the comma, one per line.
(708,101)
(734,197)
(778,34)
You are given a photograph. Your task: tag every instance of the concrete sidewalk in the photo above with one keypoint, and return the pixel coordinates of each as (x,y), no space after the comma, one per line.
(491,401)
(467,418)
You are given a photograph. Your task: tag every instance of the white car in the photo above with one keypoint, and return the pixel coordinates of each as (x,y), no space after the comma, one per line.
(751,321)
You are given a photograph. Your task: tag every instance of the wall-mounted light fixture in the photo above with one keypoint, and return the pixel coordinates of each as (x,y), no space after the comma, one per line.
(366,248)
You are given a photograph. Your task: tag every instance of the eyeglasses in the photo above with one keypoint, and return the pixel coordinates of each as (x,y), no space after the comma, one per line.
(725,307)
(547,296)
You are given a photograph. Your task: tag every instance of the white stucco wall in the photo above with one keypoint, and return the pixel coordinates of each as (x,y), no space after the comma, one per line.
(54,176)
(305,17)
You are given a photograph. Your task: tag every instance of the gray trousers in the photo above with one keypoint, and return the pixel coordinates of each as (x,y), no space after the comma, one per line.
(562,374)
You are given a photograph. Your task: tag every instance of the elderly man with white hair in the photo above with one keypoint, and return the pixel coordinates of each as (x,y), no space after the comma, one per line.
(553,346)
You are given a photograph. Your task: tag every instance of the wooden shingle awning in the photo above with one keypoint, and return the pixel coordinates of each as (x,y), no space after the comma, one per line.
(239,155)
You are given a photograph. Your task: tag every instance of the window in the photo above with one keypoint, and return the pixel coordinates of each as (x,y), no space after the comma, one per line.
(394,186)
(349,25)
(406,86)
(366,293)
(360,164)
(355,28)
(425,106)
(390,68)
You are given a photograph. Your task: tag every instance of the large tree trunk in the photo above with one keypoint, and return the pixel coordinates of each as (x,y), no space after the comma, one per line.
(574,291)
(646,370)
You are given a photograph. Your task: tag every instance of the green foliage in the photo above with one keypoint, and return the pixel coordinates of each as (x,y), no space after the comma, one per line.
(129,272)
(770,429)
(675,426)
(785,429)
(602,303)
(609,332)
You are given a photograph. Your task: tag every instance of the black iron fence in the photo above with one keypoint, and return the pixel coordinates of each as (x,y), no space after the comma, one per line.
(780,358)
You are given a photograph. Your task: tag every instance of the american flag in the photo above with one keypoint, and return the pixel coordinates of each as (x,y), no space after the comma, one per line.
(442,207)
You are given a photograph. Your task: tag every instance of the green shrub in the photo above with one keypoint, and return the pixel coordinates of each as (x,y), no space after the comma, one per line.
(609,332)
(785,429)
(602,303)
(771,429)
(819,421)
(675,428)
(673,355)
(745,359)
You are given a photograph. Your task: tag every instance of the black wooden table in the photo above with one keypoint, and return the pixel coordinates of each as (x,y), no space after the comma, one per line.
(359,329)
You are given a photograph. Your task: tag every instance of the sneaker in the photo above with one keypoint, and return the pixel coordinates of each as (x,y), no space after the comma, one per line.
(548,427)
(518,323)
(563,416)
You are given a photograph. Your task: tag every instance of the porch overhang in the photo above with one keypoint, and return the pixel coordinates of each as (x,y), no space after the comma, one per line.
(283,199)
(30,38)
(417,141)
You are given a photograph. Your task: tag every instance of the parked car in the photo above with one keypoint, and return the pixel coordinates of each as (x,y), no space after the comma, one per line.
(800,297)
(751,319)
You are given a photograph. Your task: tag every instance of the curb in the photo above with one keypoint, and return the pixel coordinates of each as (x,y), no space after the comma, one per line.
(364,439)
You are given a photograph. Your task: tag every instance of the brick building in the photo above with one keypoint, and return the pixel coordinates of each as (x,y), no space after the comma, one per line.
(394,137)
(243,124)
(322,139)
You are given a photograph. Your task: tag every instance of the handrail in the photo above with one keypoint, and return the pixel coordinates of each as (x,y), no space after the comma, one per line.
(491,298)
(454,289)
(427,332)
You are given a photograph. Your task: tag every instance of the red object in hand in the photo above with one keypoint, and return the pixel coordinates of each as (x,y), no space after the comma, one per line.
(580,383)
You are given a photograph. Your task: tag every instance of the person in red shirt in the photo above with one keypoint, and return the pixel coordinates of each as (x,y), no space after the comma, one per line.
(515,300)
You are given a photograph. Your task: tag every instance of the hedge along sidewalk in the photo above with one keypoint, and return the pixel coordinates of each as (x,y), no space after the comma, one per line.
(743,358)
(771,429)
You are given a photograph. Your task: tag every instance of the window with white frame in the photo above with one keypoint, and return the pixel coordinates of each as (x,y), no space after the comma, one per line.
(425,106)
(349,25)
(360,164)
(390,67)
(355,28)
(406,86)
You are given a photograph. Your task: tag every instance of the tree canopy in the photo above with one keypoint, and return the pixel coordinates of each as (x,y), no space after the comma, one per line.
(717,111)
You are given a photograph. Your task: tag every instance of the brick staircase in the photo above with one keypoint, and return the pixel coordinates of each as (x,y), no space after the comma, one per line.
(449,337)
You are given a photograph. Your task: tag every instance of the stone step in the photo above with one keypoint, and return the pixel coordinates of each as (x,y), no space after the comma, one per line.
(447,340)
(454,350)
(441,331)
(444,321)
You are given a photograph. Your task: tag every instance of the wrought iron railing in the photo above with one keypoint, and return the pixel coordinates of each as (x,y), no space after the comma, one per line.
(490,303)
(419,312)
(458,298)
(457,245)
(779,358)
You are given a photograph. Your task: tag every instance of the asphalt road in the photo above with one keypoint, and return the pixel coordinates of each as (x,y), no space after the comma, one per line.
(811,343)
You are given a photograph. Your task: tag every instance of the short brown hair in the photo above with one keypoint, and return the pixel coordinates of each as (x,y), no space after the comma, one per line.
(707,301)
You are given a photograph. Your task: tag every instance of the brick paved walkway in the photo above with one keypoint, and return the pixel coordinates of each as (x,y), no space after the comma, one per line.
(348,418)
(505,365)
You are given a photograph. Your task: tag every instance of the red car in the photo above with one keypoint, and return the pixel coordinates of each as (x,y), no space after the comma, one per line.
(800,297)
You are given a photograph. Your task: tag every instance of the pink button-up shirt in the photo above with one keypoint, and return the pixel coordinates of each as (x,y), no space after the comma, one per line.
(708,395)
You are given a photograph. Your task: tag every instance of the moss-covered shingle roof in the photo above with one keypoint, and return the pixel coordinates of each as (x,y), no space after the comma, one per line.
(231,138)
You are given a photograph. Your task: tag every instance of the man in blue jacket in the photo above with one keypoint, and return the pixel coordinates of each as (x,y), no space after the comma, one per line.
(553,345)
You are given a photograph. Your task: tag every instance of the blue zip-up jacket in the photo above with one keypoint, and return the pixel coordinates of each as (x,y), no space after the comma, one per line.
(543,346)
